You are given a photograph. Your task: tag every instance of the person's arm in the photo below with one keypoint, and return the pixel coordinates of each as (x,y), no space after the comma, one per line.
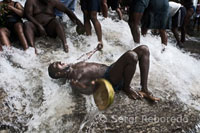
(86,88)
(19,10)
(72,16)
(29,14)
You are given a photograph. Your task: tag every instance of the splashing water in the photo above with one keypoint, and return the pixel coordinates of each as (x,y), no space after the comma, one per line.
(39,103)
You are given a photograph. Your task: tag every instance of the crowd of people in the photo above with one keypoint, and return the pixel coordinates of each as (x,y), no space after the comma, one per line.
(41,21)
(147,14)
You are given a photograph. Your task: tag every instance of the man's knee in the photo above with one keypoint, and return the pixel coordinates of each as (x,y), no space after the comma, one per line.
(3,31)
(93,16)
(144,49)
(28,25)
(131,56)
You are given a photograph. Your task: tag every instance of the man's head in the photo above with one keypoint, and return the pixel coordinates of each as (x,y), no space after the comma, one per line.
(58,70)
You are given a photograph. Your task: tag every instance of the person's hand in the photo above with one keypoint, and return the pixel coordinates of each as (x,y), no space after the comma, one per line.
(42,30)
(99,46)
(10,8)
(80,29)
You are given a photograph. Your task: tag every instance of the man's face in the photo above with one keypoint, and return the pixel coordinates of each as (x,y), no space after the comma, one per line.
(59,66)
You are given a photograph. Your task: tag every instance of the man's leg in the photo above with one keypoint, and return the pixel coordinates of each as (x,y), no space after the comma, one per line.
(134,21)
(189,13)
(119,13)
(104,8)
(87,23)
(1,49)
(163,36)
(55,28)
(4,36)
(97,25)
(29,31)
(124,69)
(20,32)
(176,35)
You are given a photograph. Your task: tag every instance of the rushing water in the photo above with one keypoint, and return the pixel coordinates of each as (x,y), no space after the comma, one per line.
(38,102)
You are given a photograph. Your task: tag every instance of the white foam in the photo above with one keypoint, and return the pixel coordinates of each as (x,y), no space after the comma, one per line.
(25,80)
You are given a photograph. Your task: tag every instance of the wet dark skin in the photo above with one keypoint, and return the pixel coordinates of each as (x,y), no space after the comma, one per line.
(82,75)
(42,21)
(18,26)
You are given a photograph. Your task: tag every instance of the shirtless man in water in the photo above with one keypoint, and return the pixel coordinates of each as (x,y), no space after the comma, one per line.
(82,75)
(42,21)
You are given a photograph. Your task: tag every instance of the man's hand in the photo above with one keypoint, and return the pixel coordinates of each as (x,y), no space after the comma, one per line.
(11,8)
(42,30)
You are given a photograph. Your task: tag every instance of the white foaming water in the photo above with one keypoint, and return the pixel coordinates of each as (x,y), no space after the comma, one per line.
(41,102)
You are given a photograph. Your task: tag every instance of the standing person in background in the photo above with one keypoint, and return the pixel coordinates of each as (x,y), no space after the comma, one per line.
(197,17)
(188,4)
(71,4)
(177,12)
(154,15)
(90,9)
(11,24)
(104,8)
(114,4)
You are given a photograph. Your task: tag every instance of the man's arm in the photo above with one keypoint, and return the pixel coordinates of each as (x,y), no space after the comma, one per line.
(72,16)
(19,10)
(83,87)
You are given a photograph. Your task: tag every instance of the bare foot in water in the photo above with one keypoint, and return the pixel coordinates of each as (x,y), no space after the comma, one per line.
(133,94)
(100,46)
(148,96)
(66,48)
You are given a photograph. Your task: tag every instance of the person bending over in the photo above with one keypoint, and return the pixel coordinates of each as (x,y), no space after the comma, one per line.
(42,20)
(177,12)
(82,75)
(11,24)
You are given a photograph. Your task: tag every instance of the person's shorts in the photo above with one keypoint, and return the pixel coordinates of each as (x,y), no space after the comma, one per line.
(91,5)
(139,5)
(114,4)
(116,87)
(178,18)
(156,16)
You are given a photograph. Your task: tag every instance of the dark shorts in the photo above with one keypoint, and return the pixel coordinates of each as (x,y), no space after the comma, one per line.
(116,87)
(156,16)
(91,5)
(114,4)
(139,5)
(178,18)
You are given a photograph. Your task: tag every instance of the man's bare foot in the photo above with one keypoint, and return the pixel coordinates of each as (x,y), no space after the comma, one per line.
(66,49)
(99,46)
(133,94)
(149,96)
